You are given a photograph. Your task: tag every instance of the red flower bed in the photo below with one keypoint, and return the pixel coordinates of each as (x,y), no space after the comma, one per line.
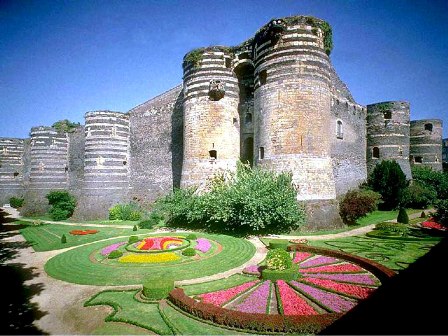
(431,224)
(82,232)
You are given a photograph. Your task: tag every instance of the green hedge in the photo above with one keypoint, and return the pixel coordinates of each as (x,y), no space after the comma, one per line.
(157,288)
(287,274)
(280,244)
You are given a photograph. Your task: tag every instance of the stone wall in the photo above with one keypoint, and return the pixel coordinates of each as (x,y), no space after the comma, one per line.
(426,143)
(11,169)
(388,134)
(156,146)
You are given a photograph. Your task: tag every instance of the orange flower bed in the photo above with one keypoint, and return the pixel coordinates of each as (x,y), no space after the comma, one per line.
(82,232)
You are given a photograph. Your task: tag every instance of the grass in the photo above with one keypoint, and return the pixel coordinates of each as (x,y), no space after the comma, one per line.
(79,266)
(45,218)
(119,328)
(47,237)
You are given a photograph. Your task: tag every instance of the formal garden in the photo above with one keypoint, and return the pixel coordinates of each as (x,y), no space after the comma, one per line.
(237,258)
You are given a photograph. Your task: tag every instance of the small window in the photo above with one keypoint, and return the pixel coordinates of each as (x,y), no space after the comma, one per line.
(261,153)
(213,154)
(248,118)
(418,159)
(339,133)
(263,75)
(400,151)
(125,163)
(228,63)
(16,174)
(428,127)
(66,169)
(376,153)
(387,115)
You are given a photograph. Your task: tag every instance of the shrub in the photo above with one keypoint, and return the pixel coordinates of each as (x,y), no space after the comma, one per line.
(63,239)
(16,202)
(435,180)
(115,254)
(393,228)
(418,196)
(191,236)
(248,201)
(288,274)
(189,252)
(403,216)
(62,204)
(130,211)
(134,228)
(154,219)
(441,214)
(278,244)
(133,239)
(388,179)
(357,204)
(65,126)
(278,260)
(423,215)
(157,288)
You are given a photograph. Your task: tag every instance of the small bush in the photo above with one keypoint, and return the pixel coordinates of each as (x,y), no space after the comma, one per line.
(418,196)
(58,214)
(16,202)
(157,288)
(357,204)
(441,214)
(130,211)
(62,204)
(115,254)
(288,274)
(435,180)
(191,236)
(278,260)
(189,252)
(423,215)
(154,219)
(134,228)
(402,216)
(63,239)
(393,228)
(133,239)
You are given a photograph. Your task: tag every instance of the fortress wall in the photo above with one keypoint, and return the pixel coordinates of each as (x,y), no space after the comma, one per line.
(211,121)
(48,168)
(76,161)
(156,146)
(388,134)
(426,143)
(106,163)
(11,169)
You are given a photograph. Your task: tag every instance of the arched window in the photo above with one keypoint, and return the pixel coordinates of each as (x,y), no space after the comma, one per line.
(213,154)
(376,153)
(428,127)
(387,115)
(261,153)
(339,133)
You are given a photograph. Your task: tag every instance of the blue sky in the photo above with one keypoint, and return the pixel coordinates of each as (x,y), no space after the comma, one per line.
(60,59)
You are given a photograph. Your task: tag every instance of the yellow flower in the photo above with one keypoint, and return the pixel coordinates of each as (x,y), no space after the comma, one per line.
(149,258)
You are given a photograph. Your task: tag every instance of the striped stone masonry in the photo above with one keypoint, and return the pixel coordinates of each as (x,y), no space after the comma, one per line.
(426,143)
(11,169)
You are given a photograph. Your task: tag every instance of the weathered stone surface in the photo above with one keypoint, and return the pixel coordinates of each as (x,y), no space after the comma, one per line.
(426,143)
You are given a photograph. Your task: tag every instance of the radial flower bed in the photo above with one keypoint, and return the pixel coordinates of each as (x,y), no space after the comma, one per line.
(82,232)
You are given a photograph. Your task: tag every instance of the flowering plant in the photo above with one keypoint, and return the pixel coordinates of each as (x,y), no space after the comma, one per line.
(82,232)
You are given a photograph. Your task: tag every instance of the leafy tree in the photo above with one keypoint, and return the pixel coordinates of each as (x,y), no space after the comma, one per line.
(431,179)
(388,179)
(62,204)
(418,195)
(357,204)
(65,125)
(16,202)
(441,214)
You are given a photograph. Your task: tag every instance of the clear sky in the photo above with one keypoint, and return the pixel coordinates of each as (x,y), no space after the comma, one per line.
(60,59)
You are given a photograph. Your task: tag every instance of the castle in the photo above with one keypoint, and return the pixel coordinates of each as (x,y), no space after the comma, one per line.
(275,101)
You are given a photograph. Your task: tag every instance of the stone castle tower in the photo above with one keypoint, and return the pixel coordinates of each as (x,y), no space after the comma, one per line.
(275,101)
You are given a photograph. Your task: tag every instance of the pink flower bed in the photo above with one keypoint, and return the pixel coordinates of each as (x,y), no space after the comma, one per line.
(363,279)
(321,260)
(342,268)
(218,298)
(301,256)
(353,290)
(110,248)
(256,301)
(332,301)
(292,303)
(253,270)
(203,245)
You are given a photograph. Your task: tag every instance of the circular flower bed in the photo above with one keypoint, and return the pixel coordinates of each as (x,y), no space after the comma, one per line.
(82,232)
(158,244)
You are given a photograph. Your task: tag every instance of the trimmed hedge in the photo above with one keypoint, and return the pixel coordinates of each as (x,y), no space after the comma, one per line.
(133,239)
(398,228)
(287,274)
(157,288)
(279,244)
(189,252)
(115,254)
(278,260)
(403,216)
(191,236)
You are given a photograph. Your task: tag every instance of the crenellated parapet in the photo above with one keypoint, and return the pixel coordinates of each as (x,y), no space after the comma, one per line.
(426,143)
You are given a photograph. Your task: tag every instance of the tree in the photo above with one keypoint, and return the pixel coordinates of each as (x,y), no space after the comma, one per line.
(65,125)
(357,204)
(388,179)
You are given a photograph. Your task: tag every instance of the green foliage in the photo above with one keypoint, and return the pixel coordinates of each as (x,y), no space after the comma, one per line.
(384,107)
(288,274)
(135,228)
(248,201)
(133,239)
(432,179)
(388,179)
(63,239)
(16,202)
(278,260)
(279,244)
(191,236)
(326,31)
(423,215)
(441,214)
(194,57)
(131,211)
(403,216)
(62,204)
(357,204)
(157,288)
(65,126)
(393,228)
(155,218)
(418,195)
(115,254)
(189,252)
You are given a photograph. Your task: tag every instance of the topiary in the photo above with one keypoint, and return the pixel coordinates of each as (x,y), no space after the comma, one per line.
(403,216)
(189,252)
(397,228)
(278,260)
(423,215)
(157,287)
(133,239)
(279,244)
(63,239)
(115,254)
(134,228)
(191,236)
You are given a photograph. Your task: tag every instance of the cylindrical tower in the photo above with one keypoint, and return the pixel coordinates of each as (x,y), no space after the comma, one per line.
(11,169)
(106,163)
(292,103)
(48,167)
(211,119)
(388,134)
(426,143)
